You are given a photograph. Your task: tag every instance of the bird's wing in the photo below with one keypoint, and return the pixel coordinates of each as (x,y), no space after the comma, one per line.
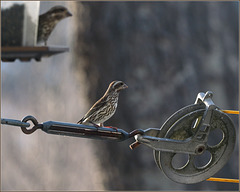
(98,105)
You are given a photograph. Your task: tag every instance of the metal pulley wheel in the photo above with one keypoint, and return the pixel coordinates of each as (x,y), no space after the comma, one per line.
(182,126)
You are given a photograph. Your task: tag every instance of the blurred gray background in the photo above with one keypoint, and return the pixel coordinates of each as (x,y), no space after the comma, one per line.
(166,52)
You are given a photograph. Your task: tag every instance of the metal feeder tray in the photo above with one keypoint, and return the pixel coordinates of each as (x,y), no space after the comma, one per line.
(10,54)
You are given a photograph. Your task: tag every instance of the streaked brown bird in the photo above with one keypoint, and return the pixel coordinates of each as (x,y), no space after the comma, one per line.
(49,20)
(105,107)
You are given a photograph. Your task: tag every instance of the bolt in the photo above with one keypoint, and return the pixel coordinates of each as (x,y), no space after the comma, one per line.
(200,149)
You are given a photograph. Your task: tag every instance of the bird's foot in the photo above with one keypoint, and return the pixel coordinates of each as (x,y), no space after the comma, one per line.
(97,126)
(112,128)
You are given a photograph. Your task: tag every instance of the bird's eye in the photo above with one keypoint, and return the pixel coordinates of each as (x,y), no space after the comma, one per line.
(121,83)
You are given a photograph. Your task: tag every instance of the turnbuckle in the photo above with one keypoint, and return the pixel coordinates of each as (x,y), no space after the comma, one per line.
(70,129)
(79,130)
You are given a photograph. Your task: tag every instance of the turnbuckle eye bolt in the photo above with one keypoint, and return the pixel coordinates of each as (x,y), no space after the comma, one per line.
(200,149)
(34,128)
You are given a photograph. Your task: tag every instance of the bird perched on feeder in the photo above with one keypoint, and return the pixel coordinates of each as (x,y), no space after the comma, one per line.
(49,20)
(105,107)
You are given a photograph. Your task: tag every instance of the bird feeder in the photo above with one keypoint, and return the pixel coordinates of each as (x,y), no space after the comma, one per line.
(19,32)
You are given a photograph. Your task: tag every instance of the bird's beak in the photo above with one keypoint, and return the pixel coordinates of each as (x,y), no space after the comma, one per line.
(124,86)
(69,14)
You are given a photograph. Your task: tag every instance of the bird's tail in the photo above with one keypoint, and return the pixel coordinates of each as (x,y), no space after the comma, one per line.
(80,121)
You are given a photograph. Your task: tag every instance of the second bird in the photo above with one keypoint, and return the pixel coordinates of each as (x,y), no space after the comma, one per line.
(49,20)
(105,107)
